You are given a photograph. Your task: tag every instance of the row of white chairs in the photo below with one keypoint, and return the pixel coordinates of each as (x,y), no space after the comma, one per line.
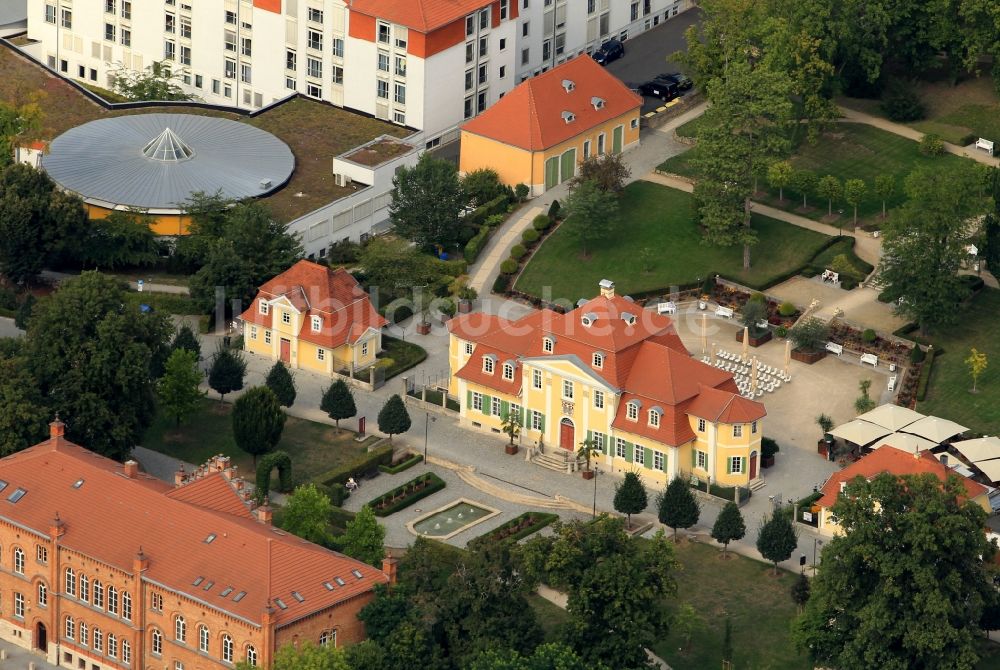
(734,363)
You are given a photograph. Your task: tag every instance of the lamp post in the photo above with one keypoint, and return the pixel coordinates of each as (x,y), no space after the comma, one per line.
(427,421)
(597,471)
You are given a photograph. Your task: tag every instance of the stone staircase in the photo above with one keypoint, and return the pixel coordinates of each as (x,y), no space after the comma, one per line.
(559,460)
(757,484)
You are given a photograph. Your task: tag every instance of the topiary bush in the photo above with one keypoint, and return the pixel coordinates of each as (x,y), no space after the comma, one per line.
(508,267)
(521,192)
(931,145)
(518,251)
(501,284)
(781,331)
(868,336)
(530,235)
(768,447)
(541,222)
(787,309)
(275,459)
(554,210)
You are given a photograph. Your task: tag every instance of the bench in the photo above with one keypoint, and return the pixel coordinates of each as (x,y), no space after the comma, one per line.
(830,276)
(726,312)
(666,308)
(762,324)
(985,145)
(892,383)
(835,348)
(871,359)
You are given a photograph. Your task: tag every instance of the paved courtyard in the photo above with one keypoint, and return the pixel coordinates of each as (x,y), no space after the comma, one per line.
(18,658)
(859,306)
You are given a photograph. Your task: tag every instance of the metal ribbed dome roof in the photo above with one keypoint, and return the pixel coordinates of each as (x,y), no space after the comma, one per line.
(155,161)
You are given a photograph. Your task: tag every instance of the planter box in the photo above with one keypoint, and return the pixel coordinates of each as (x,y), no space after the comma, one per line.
(808,357)
(587,474)
(424,328)
(464,306)
(767,462)
(754,341)
(510,449)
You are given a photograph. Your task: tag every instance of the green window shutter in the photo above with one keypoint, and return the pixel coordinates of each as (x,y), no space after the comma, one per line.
(487,401)
(647,459)
(629,452)
(468,401)
(743,465)
(590,435)
(729,465)
(541,423)
(694,457)
(504,408)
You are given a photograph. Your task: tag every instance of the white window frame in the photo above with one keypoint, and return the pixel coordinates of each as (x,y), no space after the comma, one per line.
(253,332)
(43,594)
(536,379)
(18,605)
(69,628)
(599,440)
(548,344)
(639,454)
(468,348)
(736,465)
(364,349)
(19,560)
(536,420)
(567,389)
(126,652)
(737,430)
(598,399)
(264,308)
(180,629)
(753,428)
(488,365)
(632,411)
(619,447)
(156,643)
(317,323)
(477,401)
(598,360)
(227,648)
(701,425)
(701,459)
(267,337)
(654,418)
(658,461)
(495,406)
(508,371)
(320,354)
(126,606)
(70,582)
(203,637)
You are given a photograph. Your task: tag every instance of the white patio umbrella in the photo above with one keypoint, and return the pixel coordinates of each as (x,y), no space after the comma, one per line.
(935,428)
(746,343)
(891,417)
(906,442)
(704,333)
(788,354)
(979,449)
(990,468)
(753,375)
(715,353)
(859,432)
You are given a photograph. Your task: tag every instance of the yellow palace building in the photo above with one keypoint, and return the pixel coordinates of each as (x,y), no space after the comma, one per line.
(611,372)
(314,318)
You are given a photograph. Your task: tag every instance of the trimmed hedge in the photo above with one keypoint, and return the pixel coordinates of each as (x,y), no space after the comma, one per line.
(530,235)
(508,267)
(478,216)
(404,499)
(276,459)
(794,272)
(501,533)
(405,465)
(541,222)
(501,283)
(517,252)
(925,374)
(364,463)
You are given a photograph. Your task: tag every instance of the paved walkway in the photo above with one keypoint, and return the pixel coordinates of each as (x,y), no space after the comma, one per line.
(152,287)
(18,658)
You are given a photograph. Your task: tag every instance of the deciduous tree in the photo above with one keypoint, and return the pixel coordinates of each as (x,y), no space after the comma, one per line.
(364,538)
(552,656)
(800,591)
(729,526)
(120,239)
(854,192)
(777,540)
(630,496)
(804,181)
(608,171)
(338,402)
(482,185)
(158,81)
(23,413)
(280,381)
(677,506)
(779,175)
(307,514)
(178,390)
(393,418)
(257,422)
(885,184)
(426,201)
(830,188)
(591,214)
(906,583)
(976,362)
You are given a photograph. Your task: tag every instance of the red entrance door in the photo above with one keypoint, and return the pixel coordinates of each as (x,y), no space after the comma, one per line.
(286,350)
(753,466)
(566,435)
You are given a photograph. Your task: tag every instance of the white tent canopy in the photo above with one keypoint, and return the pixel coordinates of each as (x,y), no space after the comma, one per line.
(859,432)
(891,417)
(979,449)
(934,428)
(906,442)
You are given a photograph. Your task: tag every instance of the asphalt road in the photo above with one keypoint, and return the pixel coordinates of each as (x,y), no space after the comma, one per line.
(648,54)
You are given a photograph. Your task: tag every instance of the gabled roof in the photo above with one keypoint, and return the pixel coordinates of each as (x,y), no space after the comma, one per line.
(345,311)
(895,462)
(213,492)
(473,371)
(531,116)
(421,15)
(713,404)
(108,515)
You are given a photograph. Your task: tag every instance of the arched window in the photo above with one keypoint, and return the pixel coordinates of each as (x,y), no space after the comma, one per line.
(203,638)
(70,628)
(227,648)
(126,652)
(126,606)
(251,656)
(19,560)
(180,629)
(112,600)
(548,344)
(328,638)
(98,639)
(98,600)
(70,582)
(84,635)
(84,588)
(157,643)
(112,645)
(508,371)
(43,595)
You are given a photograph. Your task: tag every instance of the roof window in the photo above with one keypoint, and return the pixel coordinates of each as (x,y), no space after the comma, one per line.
(629,318)
(328,585)
(357,573)
(3,485)
(197,581)
(280,603)
(239,596)
(568,117)
(568,85)
(340,582)
(298,596)
(226,591)
(16,495)
(211,538)
(598,103)
(588,319)
(209,585)
(78,483)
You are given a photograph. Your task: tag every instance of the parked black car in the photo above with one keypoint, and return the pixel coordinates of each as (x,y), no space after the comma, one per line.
(683,81)
(660,87)
(610,51)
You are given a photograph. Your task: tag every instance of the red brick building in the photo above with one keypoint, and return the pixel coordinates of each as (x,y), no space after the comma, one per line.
(104,567)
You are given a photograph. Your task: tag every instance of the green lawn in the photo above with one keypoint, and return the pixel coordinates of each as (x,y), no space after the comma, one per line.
(660,219)
(314,447)
(846,151)
(758,604)
(948,394)
(550,617)
(399,355)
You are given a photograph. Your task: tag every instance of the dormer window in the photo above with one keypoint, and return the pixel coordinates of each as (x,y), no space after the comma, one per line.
(488,364)
(286,317)
(654,417)
(264,308)
(628,318)
(843,485)
(317,324)
(568,117)
(548,344)
(468,348)
(568,85)
(598,103)
(632,410)
(598,360)
(508,371)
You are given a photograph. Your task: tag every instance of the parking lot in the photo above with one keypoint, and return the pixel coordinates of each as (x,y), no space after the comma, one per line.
(647,55)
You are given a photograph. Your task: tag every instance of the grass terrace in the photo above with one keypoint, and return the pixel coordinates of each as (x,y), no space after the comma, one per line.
(660,218)
(314,447)
(948,394)
(315,132)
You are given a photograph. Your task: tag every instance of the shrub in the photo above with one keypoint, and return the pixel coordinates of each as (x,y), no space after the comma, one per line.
(781,331)
(530,235)
(518,251)
(541,222)
(508,267)
(358,467)
(344,251)
(902,103)
(532,522)
(967,139)
(758,297)
(809,336)
(787,309)
(501,283)
(917,354)
(708,286)
(972,283)
(495,220)
(403,465)
(868,336)
(925,375)
(404,496)
(476,244)
(521,192)
(554,210)
(931,145)
(768,447)
(479,215)
(8,299)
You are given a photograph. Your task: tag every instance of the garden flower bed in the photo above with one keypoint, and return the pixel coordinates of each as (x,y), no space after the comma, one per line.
(405,462)
(516,529)
(407,494)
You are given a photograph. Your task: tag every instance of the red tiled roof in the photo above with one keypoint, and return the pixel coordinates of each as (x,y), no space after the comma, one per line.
(896,462)
(109,516)
(473,370)
(213,492)
(724,406)
(531,115)
(421,15)
(315,290)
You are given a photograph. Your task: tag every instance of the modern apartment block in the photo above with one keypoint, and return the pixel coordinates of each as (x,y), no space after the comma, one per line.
(426,64)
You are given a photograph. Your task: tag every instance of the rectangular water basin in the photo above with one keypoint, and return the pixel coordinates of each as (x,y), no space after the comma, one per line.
(452,519)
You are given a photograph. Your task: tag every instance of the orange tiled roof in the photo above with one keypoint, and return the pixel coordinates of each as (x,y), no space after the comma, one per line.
(315,290)
(721,406)
(109,515)
(421,15)
(897,462)
(531,115)
(213,492)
